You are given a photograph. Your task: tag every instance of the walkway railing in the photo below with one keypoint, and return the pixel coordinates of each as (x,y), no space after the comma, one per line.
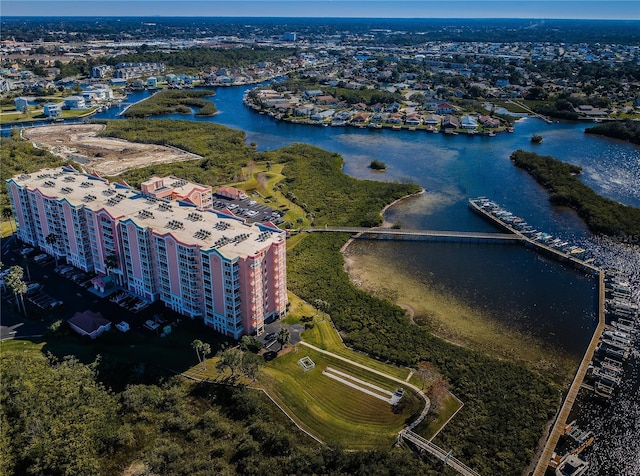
(438,452)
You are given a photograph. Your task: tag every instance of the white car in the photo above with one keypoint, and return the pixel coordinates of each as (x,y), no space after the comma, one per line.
(123,326)
(40,258)
(33,287)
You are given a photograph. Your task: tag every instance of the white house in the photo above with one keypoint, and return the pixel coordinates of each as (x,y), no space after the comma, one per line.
(468,122)
(75,102)
(52,110)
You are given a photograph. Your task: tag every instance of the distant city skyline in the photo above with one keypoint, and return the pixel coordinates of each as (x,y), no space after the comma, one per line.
(534,9)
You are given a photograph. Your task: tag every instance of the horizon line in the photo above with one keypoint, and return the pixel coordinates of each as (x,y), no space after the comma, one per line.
(160,16)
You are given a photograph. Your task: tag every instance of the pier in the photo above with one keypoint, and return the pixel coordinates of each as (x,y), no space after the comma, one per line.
(420,235)
(436,451)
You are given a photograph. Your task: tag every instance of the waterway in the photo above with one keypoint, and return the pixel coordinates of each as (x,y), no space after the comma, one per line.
(520,289)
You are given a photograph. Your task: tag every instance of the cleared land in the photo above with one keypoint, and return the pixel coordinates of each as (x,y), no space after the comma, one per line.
(104,155)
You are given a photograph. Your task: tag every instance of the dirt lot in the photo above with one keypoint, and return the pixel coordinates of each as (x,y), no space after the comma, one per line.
(103,155)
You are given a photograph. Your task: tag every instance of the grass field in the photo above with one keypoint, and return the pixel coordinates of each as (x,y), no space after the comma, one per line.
(332,410)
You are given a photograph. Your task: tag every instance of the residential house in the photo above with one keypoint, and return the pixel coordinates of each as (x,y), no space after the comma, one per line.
(52,110)
(468,122)
(21,103)
(444,108)
(450,122)
(89,323)
(75,102)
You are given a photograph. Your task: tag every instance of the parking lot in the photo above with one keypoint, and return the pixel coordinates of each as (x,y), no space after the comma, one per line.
(248,209)
(59,295)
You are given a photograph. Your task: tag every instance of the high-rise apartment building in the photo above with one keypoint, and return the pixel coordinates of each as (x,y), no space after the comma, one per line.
(198,262)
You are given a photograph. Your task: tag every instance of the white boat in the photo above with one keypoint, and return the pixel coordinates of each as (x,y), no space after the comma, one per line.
(571,465)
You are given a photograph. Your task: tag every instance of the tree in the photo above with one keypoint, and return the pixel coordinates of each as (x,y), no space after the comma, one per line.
(284,337)
(230,358)
(110,263)
(438,392)
(202,350)
(17,286)
(250,365)
(52,240)
(427,372)
(60,419)
(7,215)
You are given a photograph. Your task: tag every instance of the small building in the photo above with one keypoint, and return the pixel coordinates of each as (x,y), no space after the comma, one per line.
(75,102)
(152,82)
(51,109)
(21,103)
(230,192)
(89,323)
(118,82)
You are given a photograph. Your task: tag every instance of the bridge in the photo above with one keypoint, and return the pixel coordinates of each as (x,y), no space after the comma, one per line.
(418,235)
(436,451)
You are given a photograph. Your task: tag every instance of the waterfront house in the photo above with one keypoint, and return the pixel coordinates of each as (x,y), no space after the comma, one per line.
(468,122)
(152,82)
(52,110)
(488,121)
(75,102)
(322,115)
(450,122)
(412,120)
(432,120)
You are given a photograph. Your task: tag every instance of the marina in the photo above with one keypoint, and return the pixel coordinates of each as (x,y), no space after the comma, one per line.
(602,368)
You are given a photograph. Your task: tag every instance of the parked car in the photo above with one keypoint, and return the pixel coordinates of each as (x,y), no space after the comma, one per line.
(270,336)
(26,252)
(33,287)
(41,257)
(54,304)
(123,326)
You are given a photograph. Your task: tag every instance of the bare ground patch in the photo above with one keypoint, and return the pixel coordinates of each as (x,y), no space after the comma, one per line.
(104,155)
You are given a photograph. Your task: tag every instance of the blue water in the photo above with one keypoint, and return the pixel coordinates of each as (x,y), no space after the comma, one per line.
(452,169)
(522,289)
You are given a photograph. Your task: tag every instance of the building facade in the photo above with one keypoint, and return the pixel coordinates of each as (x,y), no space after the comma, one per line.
(202,264)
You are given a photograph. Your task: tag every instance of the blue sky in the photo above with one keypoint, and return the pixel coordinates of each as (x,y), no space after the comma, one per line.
(572,9)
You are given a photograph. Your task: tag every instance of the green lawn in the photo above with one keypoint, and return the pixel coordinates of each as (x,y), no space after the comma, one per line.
(332,410)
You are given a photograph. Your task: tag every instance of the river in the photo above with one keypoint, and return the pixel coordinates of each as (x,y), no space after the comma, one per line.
(520,289)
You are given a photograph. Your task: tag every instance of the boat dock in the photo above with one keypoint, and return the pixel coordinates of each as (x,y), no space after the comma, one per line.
(533,238)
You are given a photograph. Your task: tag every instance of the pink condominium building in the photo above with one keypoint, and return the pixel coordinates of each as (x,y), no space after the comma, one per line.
(200,263)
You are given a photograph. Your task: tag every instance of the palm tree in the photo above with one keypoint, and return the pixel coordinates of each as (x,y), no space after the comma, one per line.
(17,286)
(202,350)
(7,214)
(110,263)
(52,240)
(284,337)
